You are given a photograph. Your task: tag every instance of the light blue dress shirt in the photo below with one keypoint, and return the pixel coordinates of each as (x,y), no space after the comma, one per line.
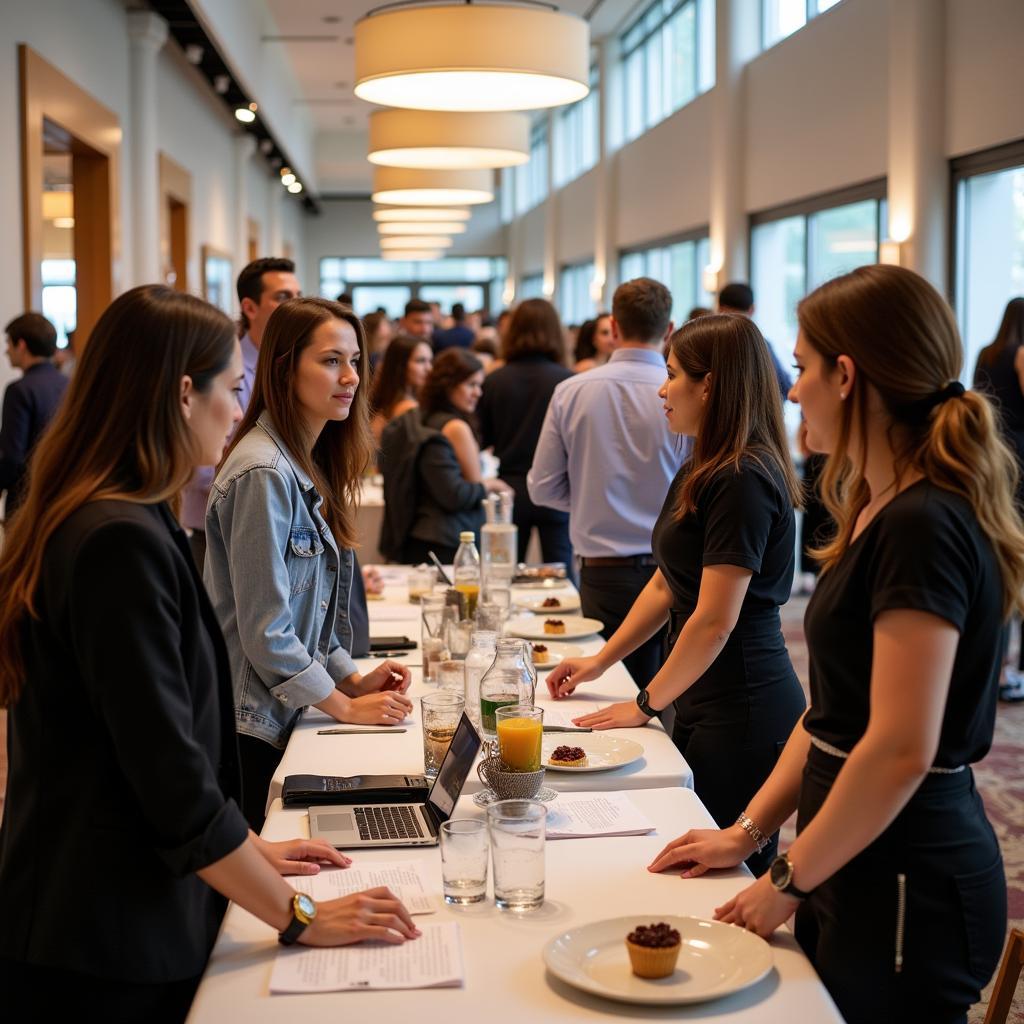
(606,455)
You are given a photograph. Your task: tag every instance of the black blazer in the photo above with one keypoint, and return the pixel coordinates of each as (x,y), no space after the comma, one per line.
(123,761)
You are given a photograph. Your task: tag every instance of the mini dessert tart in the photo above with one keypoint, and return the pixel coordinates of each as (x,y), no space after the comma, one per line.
(551,602)
(568,757)
(541,655)
(554,626)
(653,950)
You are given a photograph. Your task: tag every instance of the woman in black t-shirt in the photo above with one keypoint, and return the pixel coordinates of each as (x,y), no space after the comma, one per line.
(895,876)
(724,543)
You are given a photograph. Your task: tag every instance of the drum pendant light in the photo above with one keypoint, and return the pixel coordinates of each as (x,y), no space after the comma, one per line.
(422,227)
(405,186)
(415,242)
(448,139)
(404,214)
(412,254)
(472,56)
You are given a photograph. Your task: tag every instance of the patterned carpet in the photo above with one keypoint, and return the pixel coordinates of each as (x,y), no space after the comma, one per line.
(999,780)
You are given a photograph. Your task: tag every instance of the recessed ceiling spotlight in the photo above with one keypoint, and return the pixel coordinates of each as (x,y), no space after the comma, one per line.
(285,170)
(247,114)
(266,145)
(295,187)
(221,84)
(288,179)
(194,53)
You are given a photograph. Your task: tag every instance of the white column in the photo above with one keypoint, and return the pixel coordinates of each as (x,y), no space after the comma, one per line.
(918,177)
(606,261)
(551,275)
(245,146)
(147,33)
(737,24)
(274,242)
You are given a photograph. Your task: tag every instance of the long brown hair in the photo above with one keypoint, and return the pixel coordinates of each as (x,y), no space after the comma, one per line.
(119,433)
(1009,336)
(903,339)
(742,415)
(534,330)
(451,368)
(342,452)
(389,382)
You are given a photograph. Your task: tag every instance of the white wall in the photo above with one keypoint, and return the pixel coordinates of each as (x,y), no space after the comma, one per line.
(576,206)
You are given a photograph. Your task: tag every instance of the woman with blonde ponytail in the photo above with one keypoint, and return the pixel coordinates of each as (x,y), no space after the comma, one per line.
(895,877)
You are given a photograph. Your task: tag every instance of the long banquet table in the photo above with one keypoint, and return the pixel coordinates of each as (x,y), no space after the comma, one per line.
(586,880)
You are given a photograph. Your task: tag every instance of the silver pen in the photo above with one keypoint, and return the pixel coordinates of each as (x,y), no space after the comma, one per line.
(567,728)
(357,732)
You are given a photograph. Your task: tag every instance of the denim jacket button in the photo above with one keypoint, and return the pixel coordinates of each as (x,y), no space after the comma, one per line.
(284,698)
(323,605)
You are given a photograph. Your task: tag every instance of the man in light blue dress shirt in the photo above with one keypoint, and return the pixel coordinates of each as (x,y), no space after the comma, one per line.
(607,457)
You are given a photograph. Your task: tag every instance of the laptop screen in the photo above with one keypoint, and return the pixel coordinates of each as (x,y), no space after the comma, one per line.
(454,770)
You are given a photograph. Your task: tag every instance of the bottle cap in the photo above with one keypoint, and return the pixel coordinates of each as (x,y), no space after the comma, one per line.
(466,537)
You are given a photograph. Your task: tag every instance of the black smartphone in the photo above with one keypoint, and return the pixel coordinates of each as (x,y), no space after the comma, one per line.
(391,643)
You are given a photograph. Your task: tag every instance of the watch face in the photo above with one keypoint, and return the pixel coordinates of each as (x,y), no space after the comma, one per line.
(781,872)
(304,905)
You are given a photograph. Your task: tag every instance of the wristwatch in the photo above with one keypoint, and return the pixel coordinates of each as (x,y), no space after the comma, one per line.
(643,702)
(303,914)
(781,875)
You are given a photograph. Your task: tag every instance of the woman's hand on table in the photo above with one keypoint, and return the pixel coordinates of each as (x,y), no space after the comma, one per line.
(300,856)
(704,848)
(568,674)
(372,580)
(376,914)
(385,708)
(760,908)
(624,715)
(387,676)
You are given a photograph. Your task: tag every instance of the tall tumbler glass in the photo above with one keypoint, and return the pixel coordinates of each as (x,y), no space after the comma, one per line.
(441,711)
(516,829)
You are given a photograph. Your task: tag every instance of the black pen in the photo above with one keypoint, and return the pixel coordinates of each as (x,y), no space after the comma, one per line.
(388,654)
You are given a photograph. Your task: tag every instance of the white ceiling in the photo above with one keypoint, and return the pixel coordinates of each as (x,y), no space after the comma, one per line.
(317,39)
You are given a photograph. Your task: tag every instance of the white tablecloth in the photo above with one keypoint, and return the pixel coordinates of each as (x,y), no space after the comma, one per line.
(506,982)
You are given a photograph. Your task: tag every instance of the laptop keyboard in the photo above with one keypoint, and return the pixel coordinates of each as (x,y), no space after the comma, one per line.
(398,822)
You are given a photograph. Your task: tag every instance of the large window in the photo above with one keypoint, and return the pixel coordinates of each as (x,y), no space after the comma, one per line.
(793,251)
(989,243)
(531,179)
(60,300)
(574,301)
(781,18)
(530,287)
(576,135)
(375,283)
(667,60)
(677,265)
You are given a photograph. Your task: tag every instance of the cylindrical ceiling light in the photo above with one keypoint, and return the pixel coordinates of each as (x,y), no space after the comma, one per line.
(403,186)
(423,227)
(403,214)
(412,254)
(472,57)
(448,139)
(415,242)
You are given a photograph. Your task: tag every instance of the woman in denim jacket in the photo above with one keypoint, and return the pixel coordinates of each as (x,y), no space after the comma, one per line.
(280,527)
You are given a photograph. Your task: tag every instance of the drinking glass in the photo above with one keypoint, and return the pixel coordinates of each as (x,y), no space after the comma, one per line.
(490,617)
(421,582)
(460,637)
(520,731)
(451,675)
(498,591)
(433,638)
(516,828)
(441,713)
(464,860)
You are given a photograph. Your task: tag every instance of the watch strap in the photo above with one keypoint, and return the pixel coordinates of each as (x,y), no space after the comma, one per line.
(643,699)
(296,926)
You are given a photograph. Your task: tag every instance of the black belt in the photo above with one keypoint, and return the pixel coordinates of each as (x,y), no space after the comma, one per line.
(633,561)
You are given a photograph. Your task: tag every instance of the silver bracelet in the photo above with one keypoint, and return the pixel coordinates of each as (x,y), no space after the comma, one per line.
(748,826)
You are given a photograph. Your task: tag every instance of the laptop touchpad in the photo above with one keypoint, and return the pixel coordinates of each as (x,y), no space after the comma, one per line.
(341,822)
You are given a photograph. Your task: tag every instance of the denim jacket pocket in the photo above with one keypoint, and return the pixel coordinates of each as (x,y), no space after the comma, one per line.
(305,547)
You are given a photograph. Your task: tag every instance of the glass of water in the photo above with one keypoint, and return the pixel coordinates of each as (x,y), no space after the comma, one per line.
(516,828)
(464,860)
(441,711)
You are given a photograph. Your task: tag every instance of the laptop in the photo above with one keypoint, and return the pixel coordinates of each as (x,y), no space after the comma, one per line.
(402,824)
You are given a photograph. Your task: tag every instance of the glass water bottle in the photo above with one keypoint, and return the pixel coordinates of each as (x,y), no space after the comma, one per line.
(511,679)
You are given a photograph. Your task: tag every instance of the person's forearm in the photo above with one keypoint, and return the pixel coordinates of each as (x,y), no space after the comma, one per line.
(872,787)
(777,798)
(699,643)
(246,877)
(337,704)
(645,618)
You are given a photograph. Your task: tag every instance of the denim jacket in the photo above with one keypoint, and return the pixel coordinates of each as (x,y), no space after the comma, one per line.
(279,585)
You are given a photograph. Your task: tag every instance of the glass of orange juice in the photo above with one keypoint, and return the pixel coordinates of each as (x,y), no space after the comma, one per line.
(520,729)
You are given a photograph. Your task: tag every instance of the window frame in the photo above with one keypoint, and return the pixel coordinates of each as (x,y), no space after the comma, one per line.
(694,235)
(810,12)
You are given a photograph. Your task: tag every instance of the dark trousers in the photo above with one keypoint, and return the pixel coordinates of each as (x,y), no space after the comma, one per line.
(258,762)
(415,551)
(552,526)
(33,993)
(607,593)
(936,875)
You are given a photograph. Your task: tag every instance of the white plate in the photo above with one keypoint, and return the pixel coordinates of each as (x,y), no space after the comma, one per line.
(566,602)
(532,627)
(715,960)
(556,654)
(603,750)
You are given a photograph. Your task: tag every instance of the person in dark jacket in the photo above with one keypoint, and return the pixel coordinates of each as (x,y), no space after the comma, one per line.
(122,838)
(448,486)
(29,403)
(512,408)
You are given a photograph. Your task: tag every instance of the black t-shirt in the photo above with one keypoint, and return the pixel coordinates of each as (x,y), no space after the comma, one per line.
(924,551)
(743,517)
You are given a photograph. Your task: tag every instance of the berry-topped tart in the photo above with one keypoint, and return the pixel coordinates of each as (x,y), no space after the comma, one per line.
(568,757)
(554,626)
(653,950)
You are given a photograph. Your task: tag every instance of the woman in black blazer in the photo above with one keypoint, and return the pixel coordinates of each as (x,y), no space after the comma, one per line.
(122,835)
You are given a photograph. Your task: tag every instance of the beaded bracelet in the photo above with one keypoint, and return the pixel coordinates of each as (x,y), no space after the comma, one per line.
(748,826)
